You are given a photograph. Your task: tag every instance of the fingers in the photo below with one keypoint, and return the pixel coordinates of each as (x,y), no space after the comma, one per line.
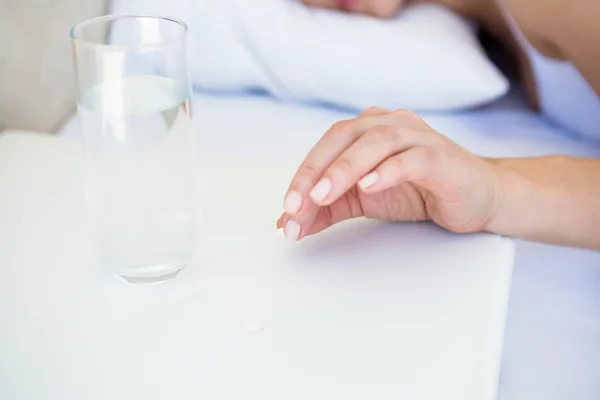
(333,143)
(371,149)
(346,207)
(345,155)
(339,137)
(416,164)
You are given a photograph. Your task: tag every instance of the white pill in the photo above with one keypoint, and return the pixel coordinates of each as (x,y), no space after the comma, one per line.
(254,326)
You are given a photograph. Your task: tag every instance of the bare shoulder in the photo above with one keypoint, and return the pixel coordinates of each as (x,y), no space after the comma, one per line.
(562,29)
(539,21)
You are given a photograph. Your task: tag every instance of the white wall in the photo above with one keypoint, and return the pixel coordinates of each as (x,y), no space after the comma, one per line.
(36,73)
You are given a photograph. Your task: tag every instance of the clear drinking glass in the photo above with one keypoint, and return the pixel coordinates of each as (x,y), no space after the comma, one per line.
(139,163)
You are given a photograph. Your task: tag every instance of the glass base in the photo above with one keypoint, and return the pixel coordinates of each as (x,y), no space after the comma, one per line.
(150,279)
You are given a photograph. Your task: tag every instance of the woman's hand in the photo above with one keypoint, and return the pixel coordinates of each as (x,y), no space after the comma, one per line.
(391,166)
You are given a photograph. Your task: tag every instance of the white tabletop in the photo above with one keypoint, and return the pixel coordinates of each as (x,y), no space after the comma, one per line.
(368,310)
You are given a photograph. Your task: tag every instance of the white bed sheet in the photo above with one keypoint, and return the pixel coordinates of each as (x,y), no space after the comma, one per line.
(552,348)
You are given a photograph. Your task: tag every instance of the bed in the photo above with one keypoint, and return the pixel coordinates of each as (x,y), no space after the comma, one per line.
(552,344)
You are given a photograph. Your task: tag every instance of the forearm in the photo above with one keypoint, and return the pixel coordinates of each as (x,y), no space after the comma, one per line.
(549,199)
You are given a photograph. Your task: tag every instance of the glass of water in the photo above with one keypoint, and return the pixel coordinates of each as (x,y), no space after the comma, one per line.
(139,163)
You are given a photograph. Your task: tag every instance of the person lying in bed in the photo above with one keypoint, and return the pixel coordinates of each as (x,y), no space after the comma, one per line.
(391,165)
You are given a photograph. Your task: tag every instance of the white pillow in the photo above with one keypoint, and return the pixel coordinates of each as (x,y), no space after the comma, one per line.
(426,59)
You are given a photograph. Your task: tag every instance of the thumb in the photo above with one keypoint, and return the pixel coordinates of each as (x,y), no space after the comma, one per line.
(346,207)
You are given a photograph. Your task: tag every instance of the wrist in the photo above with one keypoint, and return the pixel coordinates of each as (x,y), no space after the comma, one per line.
(514,208)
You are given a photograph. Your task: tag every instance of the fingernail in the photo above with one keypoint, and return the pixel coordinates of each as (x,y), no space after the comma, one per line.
(292,230)
(321,190)
(293,202)
(368,180)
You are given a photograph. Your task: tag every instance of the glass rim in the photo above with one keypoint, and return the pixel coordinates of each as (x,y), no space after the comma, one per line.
(75,37)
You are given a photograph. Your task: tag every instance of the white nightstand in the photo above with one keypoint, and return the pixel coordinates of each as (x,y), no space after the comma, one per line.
(365,311)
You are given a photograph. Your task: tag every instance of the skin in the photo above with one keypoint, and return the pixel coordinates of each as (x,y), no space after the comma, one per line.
(391,165)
